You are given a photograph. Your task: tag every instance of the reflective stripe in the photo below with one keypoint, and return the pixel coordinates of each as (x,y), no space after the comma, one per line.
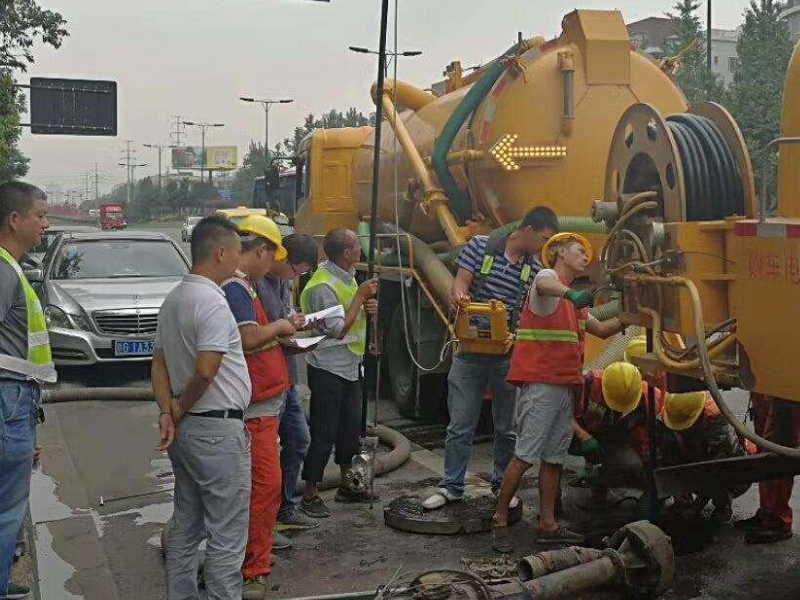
(38,339)
(525,273)
(486,265)
(582,324)
(547,335)
(46,373)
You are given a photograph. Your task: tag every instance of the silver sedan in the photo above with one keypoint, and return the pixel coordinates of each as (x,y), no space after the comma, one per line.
(102,291)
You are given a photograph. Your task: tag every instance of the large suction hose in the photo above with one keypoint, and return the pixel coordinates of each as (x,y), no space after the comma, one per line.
(708,372)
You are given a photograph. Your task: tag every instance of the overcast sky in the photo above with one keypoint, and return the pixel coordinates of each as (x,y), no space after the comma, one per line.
(195,58)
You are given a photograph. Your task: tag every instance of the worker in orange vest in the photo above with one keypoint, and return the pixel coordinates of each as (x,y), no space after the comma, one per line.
(612,416)
(547,363)
(692,429)
(777,420)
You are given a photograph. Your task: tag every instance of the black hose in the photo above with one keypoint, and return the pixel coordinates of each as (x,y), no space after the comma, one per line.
(711,174)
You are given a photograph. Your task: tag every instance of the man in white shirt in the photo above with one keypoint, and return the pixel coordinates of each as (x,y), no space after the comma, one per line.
(202,387)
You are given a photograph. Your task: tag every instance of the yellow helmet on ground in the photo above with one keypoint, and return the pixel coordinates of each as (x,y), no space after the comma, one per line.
(264,227)
(681,411)
(622,387)
(636,347)
(564,237)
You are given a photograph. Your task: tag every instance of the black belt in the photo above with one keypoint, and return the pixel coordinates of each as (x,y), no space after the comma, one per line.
(221,414)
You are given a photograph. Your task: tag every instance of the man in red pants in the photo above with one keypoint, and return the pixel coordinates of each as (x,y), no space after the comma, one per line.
(269,378)
(777,420)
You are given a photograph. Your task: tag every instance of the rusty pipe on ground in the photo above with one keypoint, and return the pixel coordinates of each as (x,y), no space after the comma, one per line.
(570,582)
(705,363)
(538,565)
(434,196)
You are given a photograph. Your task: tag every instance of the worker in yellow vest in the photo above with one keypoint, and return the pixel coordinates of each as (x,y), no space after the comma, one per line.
(334,367)
(25,361)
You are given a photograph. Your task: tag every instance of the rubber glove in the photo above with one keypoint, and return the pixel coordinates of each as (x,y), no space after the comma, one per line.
(581,299)
(591,446)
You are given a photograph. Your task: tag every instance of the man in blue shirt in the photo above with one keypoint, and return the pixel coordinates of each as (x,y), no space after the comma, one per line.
(489,268)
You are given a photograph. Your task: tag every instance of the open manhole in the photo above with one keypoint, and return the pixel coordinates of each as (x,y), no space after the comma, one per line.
(473,514)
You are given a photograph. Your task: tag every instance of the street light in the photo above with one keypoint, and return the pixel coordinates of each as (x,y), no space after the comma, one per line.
(362,50)
(267,102)
(159,148)
(203,127)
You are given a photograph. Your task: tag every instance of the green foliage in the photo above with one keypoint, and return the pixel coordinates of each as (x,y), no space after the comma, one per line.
(12,163)
(756,96)
(692,76)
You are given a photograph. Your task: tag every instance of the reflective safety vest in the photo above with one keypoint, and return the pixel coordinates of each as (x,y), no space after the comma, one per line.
(39,363)
(356,338)
(269,375)
(550,349)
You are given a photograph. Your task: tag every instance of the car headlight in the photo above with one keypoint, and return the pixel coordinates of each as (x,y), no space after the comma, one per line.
(57,317)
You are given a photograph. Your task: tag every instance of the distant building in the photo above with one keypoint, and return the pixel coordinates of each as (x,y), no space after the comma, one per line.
(653,34)
(791,12)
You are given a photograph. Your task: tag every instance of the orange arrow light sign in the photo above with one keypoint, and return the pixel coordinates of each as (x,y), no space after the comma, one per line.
(507,154)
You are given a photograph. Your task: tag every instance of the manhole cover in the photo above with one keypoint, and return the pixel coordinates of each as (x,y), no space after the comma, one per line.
(473,514)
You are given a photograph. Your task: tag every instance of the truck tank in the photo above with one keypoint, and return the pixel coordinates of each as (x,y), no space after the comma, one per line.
(531,127)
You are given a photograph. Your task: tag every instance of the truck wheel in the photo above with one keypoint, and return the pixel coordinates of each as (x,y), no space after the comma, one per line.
(403,376)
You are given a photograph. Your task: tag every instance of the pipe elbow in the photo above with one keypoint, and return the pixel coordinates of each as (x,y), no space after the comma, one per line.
(404,93)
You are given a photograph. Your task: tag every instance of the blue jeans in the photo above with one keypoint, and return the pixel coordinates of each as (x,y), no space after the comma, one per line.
(469,377)
(18,407)
(293,431)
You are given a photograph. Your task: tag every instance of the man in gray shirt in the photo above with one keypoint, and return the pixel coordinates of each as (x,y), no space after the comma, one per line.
(334,367)
(202,386)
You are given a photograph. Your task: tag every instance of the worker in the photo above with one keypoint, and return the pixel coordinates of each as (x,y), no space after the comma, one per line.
(25,360)
(276,292)
(612,418)
(334,368)
(547,364)
(489,268)
(692,429)
(269,380)
(777,420)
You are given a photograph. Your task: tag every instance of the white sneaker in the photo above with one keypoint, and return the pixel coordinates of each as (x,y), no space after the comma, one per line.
(439,499)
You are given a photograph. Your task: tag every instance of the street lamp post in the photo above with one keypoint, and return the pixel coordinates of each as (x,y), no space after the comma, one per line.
(203,127)
(267,105)
(131,167)
(158,148)
(362,50)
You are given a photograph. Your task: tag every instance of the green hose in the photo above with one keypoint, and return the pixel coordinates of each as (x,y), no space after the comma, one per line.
(609,310)
(573,224)
(468,104)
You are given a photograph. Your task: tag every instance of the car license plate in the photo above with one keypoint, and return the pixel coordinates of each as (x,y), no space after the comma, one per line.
(133,348)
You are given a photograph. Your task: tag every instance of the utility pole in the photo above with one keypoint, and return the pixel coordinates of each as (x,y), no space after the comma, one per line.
(203,126)
(96,185)
(158,148)
(130,164)
(178,130)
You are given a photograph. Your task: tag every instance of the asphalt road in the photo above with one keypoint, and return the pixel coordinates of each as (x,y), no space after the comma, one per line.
(103,492)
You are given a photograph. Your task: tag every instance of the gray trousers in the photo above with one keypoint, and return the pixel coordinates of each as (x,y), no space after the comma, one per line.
(211,461)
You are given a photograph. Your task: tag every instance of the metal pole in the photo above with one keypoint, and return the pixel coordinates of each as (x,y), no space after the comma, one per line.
(652,459)
(202,151)
(266,137)
(708,44)
(373,217)
(159,166)
(96,186)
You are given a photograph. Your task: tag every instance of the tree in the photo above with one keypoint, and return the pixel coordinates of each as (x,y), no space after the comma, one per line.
(689,41)
(755,96)
(21,23)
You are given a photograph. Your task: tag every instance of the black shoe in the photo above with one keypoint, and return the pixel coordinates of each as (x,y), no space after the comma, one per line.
(767,535)
(16,592)
(750,524)
(315,508)
(347,495)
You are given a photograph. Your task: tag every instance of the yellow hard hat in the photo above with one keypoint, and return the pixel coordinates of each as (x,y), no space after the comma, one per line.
(563,237)
(622,387)
(682,410)
(636,347)
(266,228)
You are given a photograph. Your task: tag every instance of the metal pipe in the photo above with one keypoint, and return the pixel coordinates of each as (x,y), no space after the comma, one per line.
(762,197)
(404,93)
(570,582)
(433,194)
(566,63)
(542,563)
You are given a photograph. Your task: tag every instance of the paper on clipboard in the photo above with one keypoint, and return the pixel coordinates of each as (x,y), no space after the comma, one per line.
(296,345)
(327,313)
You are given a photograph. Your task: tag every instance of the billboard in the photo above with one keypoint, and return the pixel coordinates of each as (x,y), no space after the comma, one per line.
(217,157)
(73,106)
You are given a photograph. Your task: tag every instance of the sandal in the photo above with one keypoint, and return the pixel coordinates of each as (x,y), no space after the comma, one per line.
(560,535)
(501,539)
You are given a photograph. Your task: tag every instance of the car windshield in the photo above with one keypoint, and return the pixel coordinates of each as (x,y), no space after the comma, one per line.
(102,259)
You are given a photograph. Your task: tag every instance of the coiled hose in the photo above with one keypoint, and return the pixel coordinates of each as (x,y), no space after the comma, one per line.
(711,174)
